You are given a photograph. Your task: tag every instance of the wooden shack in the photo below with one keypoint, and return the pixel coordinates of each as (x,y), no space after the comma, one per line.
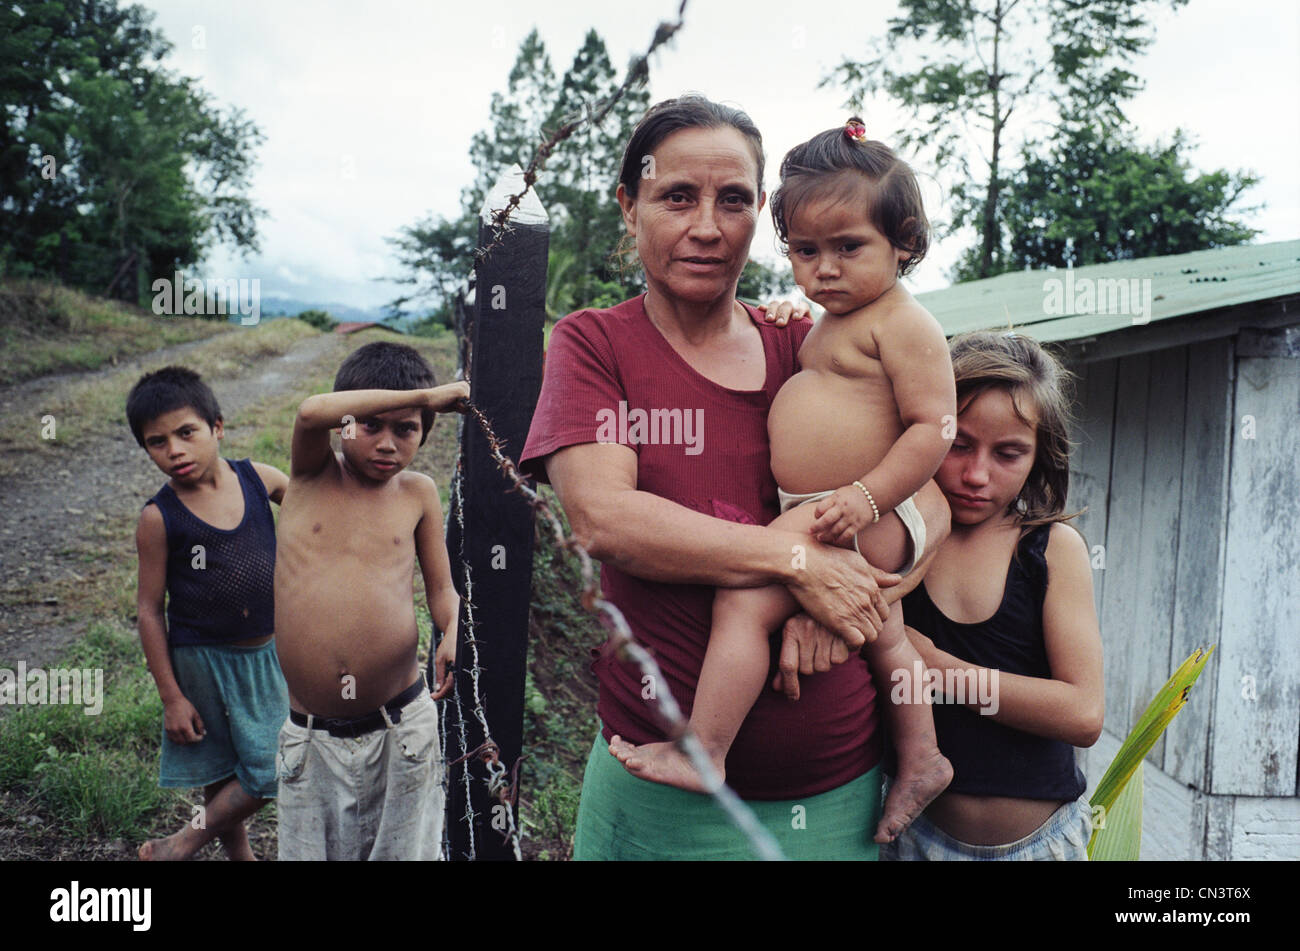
(1188,460)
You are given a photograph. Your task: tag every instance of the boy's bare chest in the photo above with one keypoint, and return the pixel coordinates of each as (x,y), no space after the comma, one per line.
(369,525)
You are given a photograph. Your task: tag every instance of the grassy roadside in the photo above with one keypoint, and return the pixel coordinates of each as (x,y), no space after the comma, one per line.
(97,406)
(47,328)
(78,786)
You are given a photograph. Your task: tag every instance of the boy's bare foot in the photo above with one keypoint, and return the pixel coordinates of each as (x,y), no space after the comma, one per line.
(919,783)
(237,846)
(661,763)
(174,848)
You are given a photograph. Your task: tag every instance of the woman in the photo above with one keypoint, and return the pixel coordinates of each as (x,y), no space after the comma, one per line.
(651,426)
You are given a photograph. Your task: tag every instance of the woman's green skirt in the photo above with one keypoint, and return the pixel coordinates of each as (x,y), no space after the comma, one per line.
(623,818)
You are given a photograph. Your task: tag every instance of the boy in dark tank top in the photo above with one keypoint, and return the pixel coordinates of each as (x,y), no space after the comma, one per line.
(206,544)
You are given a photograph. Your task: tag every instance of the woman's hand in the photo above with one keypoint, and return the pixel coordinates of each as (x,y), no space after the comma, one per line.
(806,647)
(841,591)
(781,312)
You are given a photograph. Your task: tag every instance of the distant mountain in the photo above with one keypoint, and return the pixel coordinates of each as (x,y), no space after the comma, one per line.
(291,307)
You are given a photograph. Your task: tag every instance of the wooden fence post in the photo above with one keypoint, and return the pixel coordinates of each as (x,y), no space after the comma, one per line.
(505,372)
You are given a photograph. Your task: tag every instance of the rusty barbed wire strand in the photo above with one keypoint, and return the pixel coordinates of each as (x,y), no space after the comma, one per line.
(628,649)
(637,72)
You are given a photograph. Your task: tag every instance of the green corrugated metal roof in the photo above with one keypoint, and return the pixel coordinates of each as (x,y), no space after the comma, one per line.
(1180,284)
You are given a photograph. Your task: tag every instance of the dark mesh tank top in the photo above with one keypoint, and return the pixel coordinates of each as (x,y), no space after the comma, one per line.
(224,592)
(989,759)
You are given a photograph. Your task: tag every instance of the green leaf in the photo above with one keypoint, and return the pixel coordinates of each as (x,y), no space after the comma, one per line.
(1117,832)
(1116,784)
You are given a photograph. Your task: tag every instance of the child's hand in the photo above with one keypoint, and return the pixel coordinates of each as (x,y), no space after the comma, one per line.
(781,312)
(448,397)
(444,659)
(182,722)
(841,516)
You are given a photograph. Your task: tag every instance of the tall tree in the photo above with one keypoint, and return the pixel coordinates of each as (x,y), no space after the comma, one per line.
(1095,196)
(974,71)
(104,153)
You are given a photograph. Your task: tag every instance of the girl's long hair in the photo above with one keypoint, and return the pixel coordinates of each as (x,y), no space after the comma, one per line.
(1041,391)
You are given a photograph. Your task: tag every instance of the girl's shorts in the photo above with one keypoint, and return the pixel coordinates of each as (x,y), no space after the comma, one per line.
(1062,838)
(242,699)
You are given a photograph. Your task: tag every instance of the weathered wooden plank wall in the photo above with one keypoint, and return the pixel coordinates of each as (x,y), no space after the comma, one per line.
(1124,538)
(1201,529)
(1254,732)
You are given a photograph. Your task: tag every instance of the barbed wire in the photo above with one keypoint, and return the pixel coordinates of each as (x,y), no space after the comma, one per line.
(627,648)
(637,72)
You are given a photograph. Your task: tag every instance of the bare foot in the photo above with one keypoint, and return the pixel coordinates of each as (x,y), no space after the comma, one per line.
(919,783)
(661,763)
(174,848)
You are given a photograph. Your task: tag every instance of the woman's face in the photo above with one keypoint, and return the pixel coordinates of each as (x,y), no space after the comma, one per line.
(989,461)
(695,213)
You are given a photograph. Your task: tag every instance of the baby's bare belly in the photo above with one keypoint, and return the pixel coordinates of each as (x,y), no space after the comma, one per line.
(347,640)
(827,430)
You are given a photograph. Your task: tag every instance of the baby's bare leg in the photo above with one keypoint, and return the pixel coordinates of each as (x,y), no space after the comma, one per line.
(923,772)
(226,808)
(735,669)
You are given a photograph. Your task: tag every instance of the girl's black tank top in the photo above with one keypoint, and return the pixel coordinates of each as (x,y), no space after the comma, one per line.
(989,759)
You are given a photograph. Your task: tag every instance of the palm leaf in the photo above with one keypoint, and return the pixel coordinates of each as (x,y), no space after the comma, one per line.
(1125,828)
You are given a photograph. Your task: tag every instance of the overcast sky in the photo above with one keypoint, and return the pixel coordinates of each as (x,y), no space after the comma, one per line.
(368,109)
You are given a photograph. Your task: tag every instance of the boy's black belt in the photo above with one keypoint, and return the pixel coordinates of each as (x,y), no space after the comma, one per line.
(368,723)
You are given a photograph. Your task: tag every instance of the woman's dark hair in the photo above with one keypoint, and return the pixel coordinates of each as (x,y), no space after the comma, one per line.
(835,164)
(1040,389)
(685,112)
(388,366)
(166,390)
(662,120)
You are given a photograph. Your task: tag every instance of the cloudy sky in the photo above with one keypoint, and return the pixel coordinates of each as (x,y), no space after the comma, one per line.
(368,109)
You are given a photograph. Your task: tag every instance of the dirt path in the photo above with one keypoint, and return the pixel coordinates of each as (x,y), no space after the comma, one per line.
(52,532)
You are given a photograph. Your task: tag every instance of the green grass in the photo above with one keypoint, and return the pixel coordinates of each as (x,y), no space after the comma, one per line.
(48,328)
(97,406)
(91,774)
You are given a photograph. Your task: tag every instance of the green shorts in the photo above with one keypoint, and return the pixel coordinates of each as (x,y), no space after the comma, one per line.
(623,818)
(242,699)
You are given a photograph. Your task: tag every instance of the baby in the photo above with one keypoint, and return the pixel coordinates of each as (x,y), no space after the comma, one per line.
(853,436)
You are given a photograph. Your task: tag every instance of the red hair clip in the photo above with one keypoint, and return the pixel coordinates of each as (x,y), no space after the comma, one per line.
(855,130)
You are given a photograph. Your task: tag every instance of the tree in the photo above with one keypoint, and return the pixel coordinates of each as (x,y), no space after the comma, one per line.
(978,71)
(1094,197)
(104,154)
(576,185)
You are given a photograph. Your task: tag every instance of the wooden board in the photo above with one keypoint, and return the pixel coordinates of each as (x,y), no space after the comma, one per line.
(1124,537)
(1254,741)
(1151,629)
(1090,459)
(1201,529)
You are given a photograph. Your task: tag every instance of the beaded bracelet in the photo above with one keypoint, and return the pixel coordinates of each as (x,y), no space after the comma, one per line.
(874,510)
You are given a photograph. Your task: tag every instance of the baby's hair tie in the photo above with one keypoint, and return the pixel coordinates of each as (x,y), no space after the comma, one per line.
(855,130)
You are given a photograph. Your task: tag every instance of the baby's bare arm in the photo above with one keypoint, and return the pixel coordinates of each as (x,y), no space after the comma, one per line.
(325,411)
(914,355)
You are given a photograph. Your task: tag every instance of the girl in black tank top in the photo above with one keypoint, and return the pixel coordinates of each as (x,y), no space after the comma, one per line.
(1005,620)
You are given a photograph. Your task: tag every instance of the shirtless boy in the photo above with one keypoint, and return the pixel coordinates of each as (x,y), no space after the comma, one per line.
(359,762)
(856,433)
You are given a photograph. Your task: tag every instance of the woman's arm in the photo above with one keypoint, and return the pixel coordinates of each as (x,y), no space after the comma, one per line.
(1070,705)
(656,539)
